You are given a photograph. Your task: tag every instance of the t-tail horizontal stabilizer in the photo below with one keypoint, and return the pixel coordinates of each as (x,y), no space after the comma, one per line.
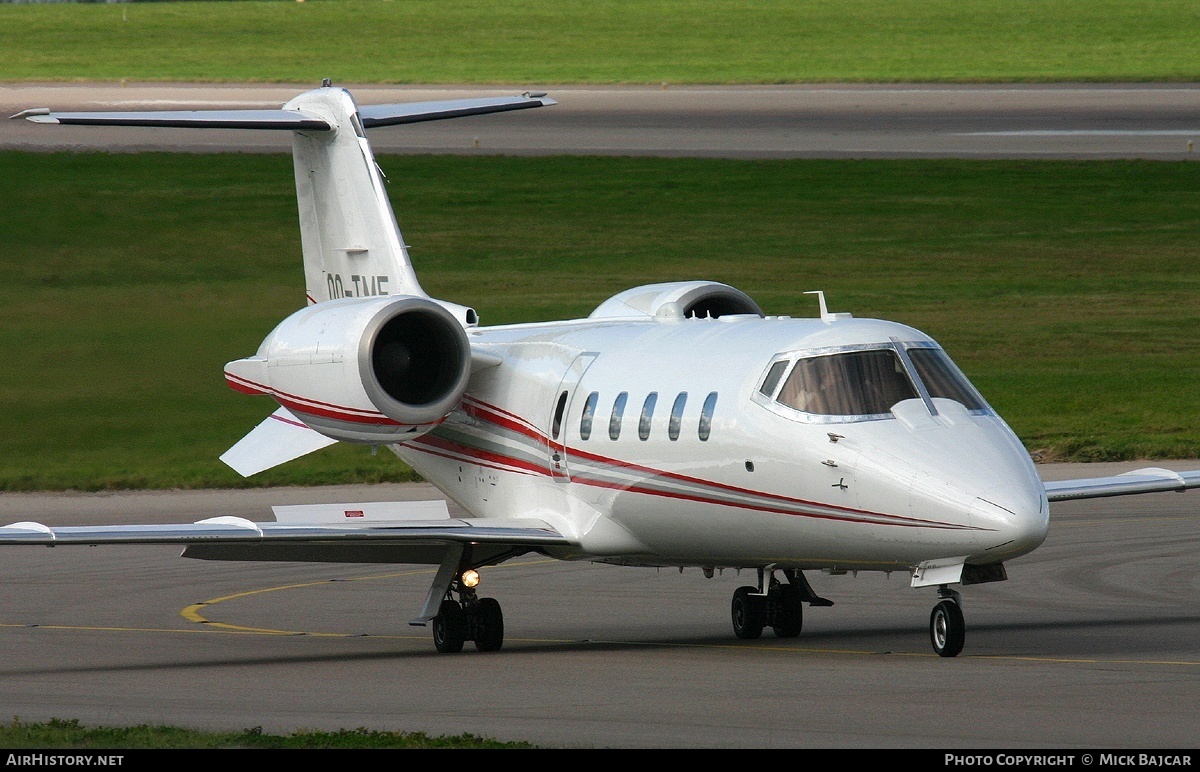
(289,119)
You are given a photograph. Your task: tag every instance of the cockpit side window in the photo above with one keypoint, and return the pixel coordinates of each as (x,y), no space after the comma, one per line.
(942,378)
(772,380)
(854,383)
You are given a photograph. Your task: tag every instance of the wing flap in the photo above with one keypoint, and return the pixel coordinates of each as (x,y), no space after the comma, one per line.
(1149,480)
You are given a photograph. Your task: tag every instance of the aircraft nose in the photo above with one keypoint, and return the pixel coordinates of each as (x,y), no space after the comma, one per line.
(1014,513)
(995,485)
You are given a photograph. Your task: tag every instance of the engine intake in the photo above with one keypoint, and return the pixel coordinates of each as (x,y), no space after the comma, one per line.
(679,300)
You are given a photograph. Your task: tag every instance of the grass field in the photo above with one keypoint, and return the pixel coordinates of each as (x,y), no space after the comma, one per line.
(1067,291)
(604,41)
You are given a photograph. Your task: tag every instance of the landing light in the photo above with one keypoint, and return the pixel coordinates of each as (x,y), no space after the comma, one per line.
(470,577)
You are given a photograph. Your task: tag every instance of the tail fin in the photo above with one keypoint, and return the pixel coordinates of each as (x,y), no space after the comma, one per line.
(352,246)
(351,243)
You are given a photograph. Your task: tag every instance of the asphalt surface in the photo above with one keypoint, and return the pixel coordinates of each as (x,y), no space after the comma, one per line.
(1092,643)
(834,121)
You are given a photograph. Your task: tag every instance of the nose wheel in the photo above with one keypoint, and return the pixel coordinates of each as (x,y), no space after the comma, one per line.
(947,629)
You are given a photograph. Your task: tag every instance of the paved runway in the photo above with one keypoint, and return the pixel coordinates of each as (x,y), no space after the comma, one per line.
(1092,643)
(846,121)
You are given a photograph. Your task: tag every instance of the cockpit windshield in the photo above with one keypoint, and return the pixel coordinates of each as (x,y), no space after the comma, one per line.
(863,383)
(851,383)
(942,378)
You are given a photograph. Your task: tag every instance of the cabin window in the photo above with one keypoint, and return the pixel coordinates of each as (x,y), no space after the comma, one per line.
(855,383)
(614,422)
(556,424)
(772,380)
(706,414)
(943,379)
(676,416)
(647,415)
(589,410)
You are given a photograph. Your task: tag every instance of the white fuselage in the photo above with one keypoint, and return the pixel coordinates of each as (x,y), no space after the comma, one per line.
(767,484)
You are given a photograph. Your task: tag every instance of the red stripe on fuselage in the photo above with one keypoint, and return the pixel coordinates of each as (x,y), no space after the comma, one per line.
(444,448)
(502,418)
(652,472)
(832,511)
(906,522)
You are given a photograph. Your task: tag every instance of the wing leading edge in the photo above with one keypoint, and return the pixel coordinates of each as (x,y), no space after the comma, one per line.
(1149,480)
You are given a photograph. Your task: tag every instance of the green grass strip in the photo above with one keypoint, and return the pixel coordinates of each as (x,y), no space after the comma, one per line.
(604,41)
(1067,291)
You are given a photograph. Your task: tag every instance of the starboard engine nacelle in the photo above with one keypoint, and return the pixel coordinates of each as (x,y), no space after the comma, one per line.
(378,370)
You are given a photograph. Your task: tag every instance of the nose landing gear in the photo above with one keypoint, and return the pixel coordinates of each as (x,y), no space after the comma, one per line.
(947,629)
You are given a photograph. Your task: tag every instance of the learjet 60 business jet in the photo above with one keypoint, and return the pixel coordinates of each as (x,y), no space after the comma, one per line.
(678,425)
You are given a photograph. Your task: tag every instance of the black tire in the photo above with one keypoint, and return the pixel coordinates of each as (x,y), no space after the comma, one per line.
(788,619)
(449,628)
(749,612)
(947,629)
(491,625)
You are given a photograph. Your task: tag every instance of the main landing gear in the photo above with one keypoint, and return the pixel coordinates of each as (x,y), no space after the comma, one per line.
(773,604)
(947,629)
(470,618)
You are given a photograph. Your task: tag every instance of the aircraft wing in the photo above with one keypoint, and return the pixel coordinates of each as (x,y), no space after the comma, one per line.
(1150,480)
(529,532)
(235,538)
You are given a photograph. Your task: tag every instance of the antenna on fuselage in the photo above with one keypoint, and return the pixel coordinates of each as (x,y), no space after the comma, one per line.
(821,300)
(825,315)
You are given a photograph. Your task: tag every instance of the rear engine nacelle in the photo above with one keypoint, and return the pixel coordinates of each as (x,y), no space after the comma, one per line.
(679,300)
(377,370)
